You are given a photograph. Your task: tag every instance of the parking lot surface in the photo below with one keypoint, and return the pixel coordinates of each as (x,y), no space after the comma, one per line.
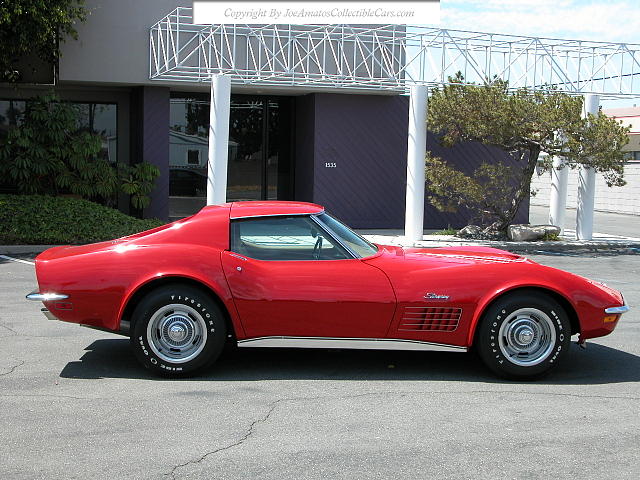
(74,403)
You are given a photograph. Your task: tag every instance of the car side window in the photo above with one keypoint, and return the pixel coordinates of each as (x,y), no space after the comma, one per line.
(284,238)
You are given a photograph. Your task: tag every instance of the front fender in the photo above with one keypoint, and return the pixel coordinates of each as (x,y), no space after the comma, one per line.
(587,299)
(492,295)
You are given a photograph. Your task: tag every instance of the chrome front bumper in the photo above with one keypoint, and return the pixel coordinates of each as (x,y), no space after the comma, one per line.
(617,310)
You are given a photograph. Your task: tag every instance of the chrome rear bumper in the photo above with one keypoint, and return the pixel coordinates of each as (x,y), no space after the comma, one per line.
(45,297)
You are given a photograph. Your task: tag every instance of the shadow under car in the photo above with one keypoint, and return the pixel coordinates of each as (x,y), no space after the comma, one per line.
(113,358)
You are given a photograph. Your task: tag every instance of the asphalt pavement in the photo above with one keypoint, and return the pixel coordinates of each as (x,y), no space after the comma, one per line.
(74,403)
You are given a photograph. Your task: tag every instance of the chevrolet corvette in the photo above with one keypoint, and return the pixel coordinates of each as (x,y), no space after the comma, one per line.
(287,274)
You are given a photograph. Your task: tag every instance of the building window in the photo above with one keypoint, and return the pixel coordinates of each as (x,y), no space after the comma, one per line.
(96,118)
(193,157)
(259,150)
(100,119)
(10,111)
(632,156)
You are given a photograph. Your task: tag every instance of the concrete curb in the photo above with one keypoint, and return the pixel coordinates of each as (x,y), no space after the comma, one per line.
(23,249)
(553,247)
(618,246)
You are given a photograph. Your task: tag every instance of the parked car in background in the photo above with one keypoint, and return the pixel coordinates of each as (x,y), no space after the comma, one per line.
(187,183)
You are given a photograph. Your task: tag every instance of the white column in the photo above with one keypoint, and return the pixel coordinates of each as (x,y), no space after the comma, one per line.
(417,148)
(586,183)
(558,195)
(218,139)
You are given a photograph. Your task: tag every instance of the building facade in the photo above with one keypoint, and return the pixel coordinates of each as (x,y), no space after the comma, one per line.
(345,149)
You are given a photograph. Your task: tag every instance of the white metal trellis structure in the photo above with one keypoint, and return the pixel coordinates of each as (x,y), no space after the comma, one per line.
(384,58)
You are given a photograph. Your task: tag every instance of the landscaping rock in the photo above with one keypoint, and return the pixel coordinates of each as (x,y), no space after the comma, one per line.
(489,234)
(531,233)
(470,231)
(522,233)
(547,229)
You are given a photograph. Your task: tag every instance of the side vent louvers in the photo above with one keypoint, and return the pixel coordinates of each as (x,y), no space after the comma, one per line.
(438,319)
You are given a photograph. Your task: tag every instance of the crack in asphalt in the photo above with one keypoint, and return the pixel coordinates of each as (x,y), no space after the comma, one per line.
(473,392)
(49,395)
(26,335)
(248,433)
(273,405)
(9,328)
(556,394)
(12,369)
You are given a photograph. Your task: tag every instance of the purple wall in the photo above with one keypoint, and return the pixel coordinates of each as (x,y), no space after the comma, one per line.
(365,137)
(303,164)
(150,142)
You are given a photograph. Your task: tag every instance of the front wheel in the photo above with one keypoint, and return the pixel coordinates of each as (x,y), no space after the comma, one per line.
(177,330)
(523,335)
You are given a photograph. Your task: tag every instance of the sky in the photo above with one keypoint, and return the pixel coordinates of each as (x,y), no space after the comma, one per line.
(607,21)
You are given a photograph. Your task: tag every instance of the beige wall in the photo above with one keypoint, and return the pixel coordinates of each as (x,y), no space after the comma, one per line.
(113,44)
(616,199)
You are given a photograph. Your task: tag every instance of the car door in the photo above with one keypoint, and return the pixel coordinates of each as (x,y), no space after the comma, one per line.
(288,277)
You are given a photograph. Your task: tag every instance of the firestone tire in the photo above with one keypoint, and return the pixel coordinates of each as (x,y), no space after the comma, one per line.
(524,335)
(177,331)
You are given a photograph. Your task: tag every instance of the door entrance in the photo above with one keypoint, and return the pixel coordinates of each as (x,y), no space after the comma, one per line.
(260,150)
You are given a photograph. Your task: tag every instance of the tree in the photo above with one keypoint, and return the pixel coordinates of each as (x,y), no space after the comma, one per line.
(35,27)
(523,124)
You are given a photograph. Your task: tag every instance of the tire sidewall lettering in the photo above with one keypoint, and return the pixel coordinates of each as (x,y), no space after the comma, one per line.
(489,335)
(213,343)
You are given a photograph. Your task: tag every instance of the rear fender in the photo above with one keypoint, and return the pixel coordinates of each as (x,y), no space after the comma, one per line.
(221,291)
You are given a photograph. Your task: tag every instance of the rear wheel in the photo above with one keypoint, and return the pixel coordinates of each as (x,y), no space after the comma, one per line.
(523,335)
(177,330)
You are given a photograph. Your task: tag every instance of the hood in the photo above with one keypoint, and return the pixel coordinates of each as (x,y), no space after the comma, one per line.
(463,255)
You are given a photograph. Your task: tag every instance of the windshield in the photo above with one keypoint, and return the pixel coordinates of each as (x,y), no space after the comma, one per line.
(349,238)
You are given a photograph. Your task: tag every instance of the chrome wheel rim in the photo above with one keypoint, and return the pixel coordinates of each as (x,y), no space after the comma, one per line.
(527,337)
(177,333)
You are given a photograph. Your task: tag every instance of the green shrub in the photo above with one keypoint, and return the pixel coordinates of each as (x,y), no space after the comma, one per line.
(46,220)
(551,237)
(445,231)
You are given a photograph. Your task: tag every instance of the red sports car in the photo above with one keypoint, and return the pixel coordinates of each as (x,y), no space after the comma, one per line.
(287,274)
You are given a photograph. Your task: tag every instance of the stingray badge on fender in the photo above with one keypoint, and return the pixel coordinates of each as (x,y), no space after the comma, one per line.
(435,296)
